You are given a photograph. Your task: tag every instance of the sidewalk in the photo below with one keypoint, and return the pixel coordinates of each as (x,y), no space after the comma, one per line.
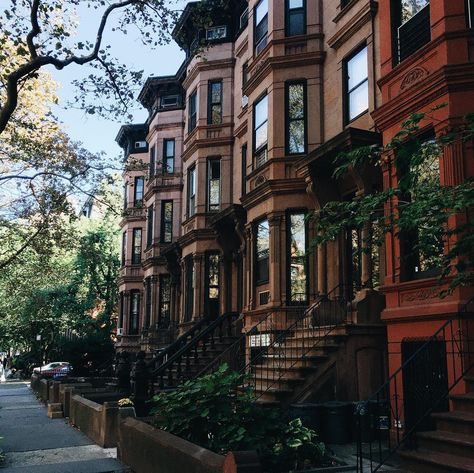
(33,443)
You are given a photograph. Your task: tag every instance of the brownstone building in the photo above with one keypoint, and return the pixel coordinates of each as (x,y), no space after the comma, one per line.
(239,147)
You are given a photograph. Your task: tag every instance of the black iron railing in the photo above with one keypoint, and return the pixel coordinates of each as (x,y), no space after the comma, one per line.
(181,360)
(283,340)
(420,387)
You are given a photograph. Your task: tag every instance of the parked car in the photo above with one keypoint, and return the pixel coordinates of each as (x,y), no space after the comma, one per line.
(56,369)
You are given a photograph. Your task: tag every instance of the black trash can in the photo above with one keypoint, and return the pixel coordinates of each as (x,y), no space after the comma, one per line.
(337,422)
(309,413)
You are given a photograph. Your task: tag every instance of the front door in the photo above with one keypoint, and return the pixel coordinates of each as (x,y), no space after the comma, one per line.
(425,382)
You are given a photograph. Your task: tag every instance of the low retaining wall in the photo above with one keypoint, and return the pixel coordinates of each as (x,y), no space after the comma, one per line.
(98,422)
(148,450)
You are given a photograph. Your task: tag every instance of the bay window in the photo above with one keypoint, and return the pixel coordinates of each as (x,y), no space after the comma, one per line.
(214,102)
(192,111)
(134,312)
(166,221)
(152,161)
(296,117)
(189,288)
(137,246)
(191,192)
(262,252)
(168,156)
(261,25)
(164,310)
(297,259)
(124,248)
(138,191)
(260,130)
(149,232)
(295,12)
(213,184)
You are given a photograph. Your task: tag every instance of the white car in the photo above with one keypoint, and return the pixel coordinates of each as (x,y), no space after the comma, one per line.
(55,369)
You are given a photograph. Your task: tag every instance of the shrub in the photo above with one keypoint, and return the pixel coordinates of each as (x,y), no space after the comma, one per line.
(218,411)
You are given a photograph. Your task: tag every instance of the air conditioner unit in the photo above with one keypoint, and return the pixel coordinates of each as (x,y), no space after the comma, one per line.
(245,101)
(120,332)
(140,144)
(264,297)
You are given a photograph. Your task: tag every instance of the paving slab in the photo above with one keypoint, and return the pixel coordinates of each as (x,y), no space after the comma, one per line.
(35,443)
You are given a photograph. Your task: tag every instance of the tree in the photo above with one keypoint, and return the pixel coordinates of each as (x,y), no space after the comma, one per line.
(433,220)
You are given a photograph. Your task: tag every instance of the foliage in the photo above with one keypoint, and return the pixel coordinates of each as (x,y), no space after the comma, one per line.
(125,402)
(67,296)
(432,220)
(217,412)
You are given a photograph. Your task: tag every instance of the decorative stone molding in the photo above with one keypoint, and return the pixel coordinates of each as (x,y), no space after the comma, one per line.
(412,77)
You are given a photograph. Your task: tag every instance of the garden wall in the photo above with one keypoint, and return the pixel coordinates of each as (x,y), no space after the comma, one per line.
(148,450)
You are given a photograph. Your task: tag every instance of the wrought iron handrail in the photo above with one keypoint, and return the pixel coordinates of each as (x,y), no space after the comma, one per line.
(162,356)
(175,360)
(315,328)
(387,402)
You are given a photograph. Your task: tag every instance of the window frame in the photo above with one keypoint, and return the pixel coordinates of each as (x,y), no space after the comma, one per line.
(192,113)
(289,120)
(289,258)
(211,104)
(136,257)
(263,147)
(149,226)
(163,221)
(132,314)
(152,166)
(346,90)
(138,203)
(161,294)
(288,11)
(191,198)
(257,43)
(124,248)
(258,280)
(209,180)
(167,158)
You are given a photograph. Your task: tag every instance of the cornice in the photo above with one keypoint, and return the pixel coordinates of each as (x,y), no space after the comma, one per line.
(206,143)
(207,66)
(363,16)
(271,188)
(196,235)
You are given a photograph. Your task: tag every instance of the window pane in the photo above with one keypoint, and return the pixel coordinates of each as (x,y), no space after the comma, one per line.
(295,4)
(261,11)
(216,92)
(296,137)
(296,23)
(359,100)
(298,235)
(216,114)
(296,101)
(297,249)
(263,239)
(357,69)
(261,111)
(411,8)
(261,136)
(169,148)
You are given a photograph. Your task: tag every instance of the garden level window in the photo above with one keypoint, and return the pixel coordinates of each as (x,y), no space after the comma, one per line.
(261,25)
(412,28)
(214,103)
(260,131)
(262,252)
(191,192)
(166,221)
(137,246)
(168,156)
(138,191)
(152,161)
(192,113)
(296,118)
(134,312)
(213,185)
(164,311)
(295,17)
(149,230)
(297,259)
(356,84)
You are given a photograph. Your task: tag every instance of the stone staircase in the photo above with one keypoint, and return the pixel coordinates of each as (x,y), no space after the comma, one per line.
(449,448)
(281,373)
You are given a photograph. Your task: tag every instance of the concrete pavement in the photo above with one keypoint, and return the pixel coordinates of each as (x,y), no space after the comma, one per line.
(33,443)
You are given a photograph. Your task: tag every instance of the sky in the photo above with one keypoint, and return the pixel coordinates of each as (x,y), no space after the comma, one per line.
(98,134)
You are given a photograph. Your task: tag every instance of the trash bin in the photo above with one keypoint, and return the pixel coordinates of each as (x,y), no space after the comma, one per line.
(337,421)
(374,419)
(309,413)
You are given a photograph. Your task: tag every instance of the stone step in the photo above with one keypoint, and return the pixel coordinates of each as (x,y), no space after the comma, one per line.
(283,383)
(461,445)
(291,362)
(455,421)
(436,462)
(286,350)
(463,402)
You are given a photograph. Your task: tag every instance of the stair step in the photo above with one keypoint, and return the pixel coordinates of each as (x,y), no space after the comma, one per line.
(455,421)
(461,445)
(435,462)
(463,402)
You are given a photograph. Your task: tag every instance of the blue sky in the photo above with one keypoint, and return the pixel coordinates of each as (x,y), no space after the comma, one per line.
(98,134)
